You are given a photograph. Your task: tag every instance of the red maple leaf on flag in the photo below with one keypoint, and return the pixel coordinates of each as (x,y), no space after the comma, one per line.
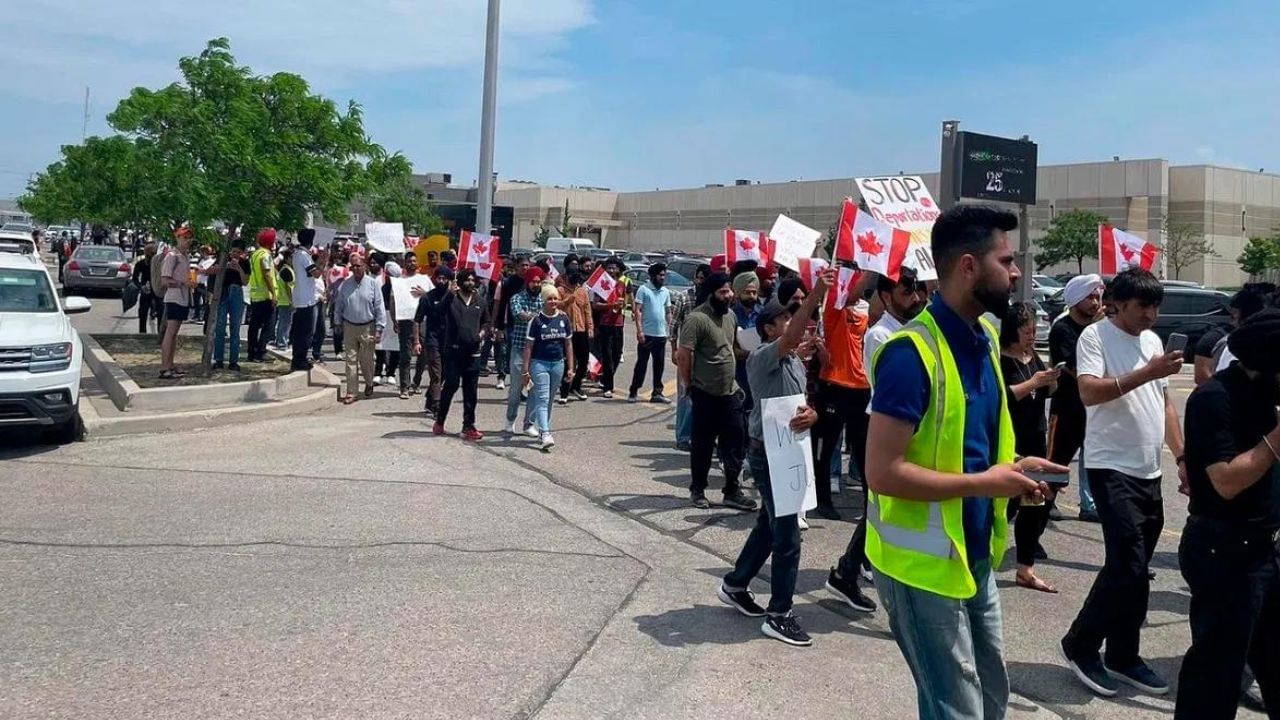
(746,243)
(485,267)
(479,247)
(868,243)
(1125,251)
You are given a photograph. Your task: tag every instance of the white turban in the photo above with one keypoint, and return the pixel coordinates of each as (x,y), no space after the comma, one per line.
(393,270)
(1081,287)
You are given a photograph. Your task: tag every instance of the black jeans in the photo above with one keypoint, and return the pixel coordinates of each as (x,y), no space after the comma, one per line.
(301,330)
(404,333)
(609,338)
(430,362)
(839,409)
(1132,514)
(717,424)
(148,306)
(1029,523)
(581,358)
(1235,617)
(461,369)
(774,536)
(652,351)
(260,328)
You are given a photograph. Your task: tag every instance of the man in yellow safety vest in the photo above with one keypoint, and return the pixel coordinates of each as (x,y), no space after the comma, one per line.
(940,469)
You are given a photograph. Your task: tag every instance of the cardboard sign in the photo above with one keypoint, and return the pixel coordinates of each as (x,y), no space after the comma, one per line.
(402,293)
(904,202)
(385,237)
(792,241)
(790,456)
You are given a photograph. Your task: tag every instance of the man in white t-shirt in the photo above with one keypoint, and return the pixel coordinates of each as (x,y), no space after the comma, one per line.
(305,272)
(902,301)
(1121,369)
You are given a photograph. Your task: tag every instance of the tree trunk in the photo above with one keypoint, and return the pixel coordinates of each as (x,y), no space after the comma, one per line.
(224,254)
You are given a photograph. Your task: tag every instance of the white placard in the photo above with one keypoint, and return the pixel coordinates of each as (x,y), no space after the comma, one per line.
(324,237)
(790,456)
(402,292)
(748,339)
(904,202)
(792,241)
(385,237)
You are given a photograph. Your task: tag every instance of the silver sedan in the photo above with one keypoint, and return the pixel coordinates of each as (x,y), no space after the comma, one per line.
(96,267)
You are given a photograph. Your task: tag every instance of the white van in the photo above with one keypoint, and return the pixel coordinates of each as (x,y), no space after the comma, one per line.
(573,245)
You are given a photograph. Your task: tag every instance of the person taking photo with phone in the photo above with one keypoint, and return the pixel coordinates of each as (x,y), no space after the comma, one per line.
(1122,370)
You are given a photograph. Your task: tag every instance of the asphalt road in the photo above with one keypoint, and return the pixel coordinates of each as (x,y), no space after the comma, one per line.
(350,564)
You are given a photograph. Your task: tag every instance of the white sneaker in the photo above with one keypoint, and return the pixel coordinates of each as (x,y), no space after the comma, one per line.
(533,431)
(548,442)
(511,428)
(562,401)
(867,575)
(502,385)
(803,525)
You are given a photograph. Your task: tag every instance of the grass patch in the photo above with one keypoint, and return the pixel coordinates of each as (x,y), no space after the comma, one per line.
(139,356)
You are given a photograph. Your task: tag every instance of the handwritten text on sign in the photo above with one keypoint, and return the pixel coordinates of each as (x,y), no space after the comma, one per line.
(790,456)
(904,202)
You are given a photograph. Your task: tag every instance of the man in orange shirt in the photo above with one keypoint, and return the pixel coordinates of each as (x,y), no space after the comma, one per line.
(841,398)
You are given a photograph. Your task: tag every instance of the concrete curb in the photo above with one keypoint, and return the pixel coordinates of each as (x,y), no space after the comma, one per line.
(128,396)
(95,426)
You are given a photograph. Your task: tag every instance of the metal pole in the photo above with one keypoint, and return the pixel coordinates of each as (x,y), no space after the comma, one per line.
(947,191)
(484,203)
(1024,223)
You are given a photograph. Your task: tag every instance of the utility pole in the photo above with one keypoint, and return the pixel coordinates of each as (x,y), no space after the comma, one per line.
(484,203)
(84,125)
(1026,263)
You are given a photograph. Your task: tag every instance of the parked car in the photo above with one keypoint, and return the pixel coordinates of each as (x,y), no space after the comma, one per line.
(96,267)
(1044,281)
(636,260)
(675,281)
(686,265)
(40,351)
(568,245)
(598,254)
(1191,311)
(1043,321)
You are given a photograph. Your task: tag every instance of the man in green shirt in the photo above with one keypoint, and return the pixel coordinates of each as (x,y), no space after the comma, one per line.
(707,368)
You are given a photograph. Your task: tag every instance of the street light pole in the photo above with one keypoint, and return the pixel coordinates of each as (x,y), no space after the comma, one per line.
(484,203)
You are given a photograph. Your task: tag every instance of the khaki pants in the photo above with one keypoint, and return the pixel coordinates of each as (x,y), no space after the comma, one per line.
(358,346)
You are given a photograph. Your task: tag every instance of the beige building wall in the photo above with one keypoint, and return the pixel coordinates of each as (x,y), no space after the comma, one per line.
(1228,206)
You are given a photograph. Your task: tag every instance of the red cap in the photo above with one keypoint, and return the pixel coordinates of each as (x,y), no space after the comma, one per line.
(182,232)
(719,263)
(267,238)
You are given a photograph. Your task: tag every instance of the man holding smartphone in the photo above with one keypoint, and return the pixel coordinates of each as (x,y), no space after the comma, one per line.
(1121,370)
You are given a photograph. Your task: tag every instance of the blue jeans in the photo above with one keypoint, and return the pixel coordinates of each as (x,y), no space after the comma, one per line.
(230,306)
(684,413)
(546,380)
(955,648)
(284,318)
(516,366)
(774,536)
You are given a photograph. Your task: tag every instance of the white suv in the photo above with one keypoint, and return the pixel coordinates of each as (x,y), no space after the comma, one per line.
(40,352)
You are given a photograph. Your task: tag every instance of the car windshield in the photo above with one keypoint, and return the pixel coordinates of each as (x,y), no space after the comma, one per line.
(26,291)
(1047,282)
(99,254)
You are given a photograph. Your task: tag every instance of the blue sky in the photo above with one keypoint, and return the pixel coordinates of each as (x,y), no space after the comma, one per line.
(638,94)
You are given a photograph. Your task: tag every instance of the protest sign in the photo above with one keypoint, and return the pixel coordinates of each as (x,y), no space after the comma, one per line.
(402,292)
(324,237)
(790,456)
(904,202)
(385,237)
(792,241)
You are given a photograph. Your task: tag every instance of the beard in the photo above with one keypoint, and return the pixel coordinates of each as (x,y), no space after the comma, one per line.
(992,298)
(718,306)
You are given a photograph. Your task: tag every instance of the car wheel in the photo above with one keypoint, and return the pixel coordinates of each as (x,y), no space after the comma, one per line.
(70,431)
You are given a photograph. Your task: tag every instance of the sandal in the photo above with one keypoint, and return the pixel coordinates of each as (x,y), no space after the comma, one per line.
(1034,583)
(349,399)
(167,375)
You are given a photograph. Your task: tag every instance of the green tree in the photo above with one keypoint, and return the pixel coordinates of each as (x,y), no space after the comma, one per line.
(544,233)
(1184,246)
(393,196)
(1073,235)
(1260,255)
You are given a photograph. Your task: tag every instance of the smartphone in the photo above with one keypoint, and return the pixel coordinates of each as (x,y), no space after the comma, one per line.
(1177,343)
(1054,480)
(1060,367)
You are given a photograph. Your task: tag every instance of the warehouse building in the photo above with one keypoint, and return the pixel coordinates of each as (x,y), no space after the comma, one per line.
(1227,205)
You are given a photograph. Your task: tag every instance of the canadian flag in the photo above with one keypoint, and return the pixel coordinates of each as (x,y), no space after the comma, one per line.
(871,244)
(740,245)
(552,273)
(602,284)
(480,253)
(1118,251)
(593,366)
(845,282)
(809,270)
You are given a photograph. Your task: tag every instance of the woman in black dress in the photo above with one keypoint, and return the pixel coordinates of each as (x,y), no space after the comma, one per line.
(1029,385)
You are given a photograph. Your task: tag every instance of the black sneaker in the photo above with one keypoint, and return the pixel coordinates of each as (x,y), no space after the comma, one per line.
(787,629)
(234,367)
(744,601)
(848,592)
(826,512)
(633,398)
(1089,516)
(1093,674)
(1142,677)
(684,445)
(660,399)
(216,366)
(699,500)
(739,501)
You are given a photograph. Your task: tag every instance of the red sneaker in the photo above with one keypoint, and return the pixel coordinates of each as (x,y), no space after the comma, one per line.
(473,435)
(437,429)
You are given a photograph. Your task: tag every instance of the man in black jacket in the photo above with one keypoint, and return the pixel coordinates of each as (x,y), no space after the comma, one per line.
(466,322)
